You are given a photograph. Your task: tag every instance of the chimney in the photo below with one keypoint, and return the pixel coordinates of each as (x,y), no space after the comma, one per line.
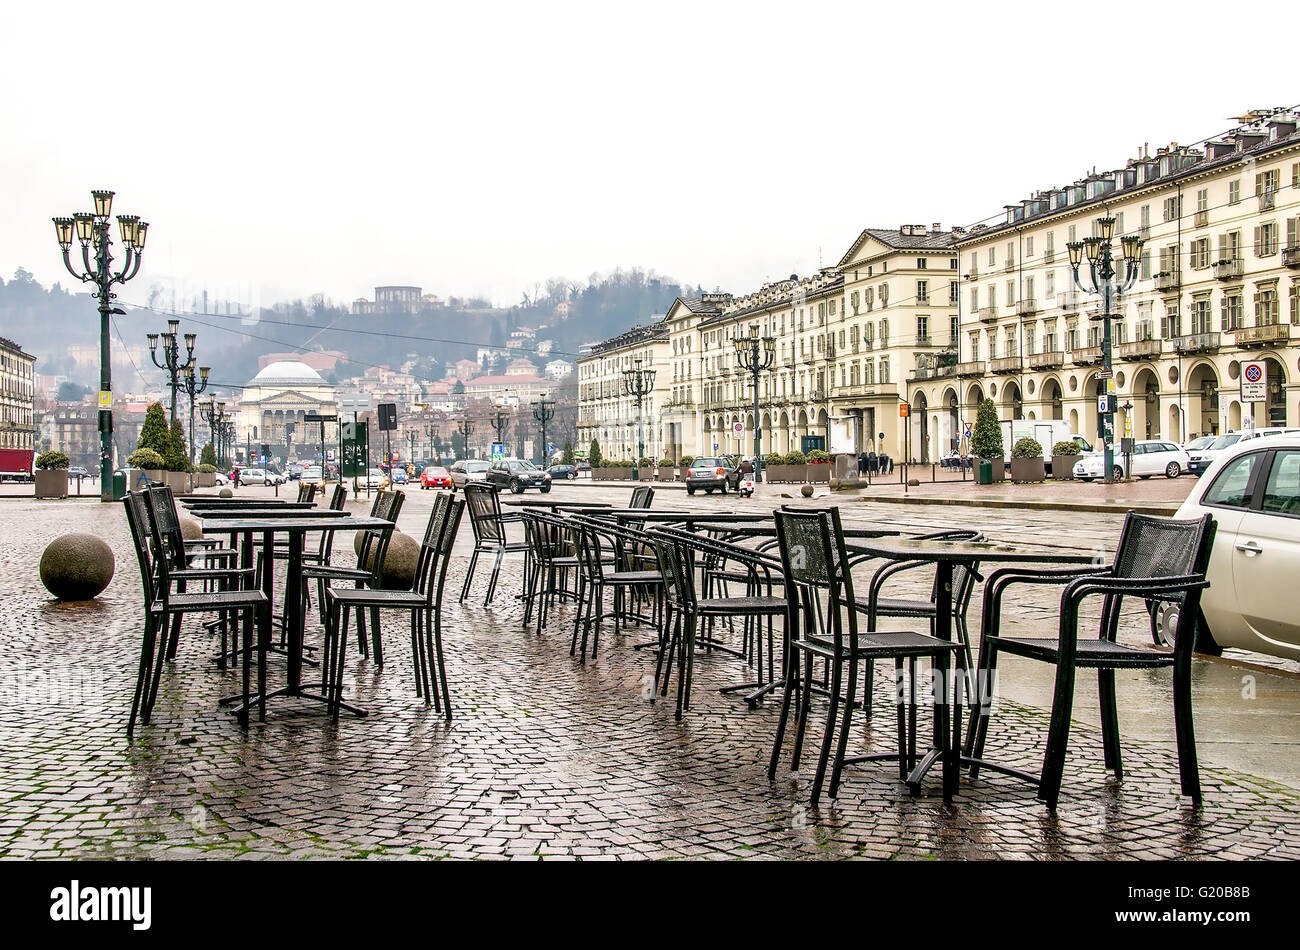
(936,228)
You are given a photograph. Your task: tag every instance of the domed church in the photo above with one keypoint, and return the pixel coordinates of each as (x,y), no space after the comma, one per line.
(286,391)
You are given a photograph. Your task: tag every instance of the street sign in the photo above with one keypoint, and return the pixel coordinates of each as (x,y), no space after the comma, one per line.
(904,409)
(388,417)
(1254,381)
(715,446)
(738,427)
(317,417)
(968,431)
(1105,374)
(105,399)
(498,450)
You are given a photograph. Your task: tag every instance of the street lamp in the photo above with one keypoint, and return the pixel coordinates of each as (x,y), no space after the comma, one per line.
(466,428)
(171,356)
(214,414)
(1105,280)
(498,420)
(94,229)
(638,383)
(430,433)
(193,387)
(544,412)
(756,355)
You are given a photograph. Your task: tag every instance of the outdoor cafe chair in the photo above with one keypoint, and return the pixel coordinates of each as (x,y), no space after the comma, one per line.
(489,525)
(372,550)
(678,554)
(598,574)
(423,600)
(163,609)
(552,561)
(307,492)
(823,625)
(1157,557)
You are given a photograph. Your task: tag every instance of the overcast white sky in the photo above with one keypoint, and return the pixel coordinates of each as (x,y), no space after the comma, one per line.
(287,149)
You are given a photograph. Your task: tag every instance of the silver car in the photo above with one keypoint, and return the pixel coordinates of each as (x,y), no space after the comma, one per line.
(468,470)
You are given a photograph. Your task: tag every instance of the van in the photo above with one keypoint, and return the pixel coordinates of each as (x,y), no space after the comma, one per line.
(1046,432)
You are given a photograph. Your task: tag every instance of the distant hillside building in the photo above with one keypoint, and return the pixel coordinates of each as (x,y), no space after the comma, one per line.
(17,390)
(392,299)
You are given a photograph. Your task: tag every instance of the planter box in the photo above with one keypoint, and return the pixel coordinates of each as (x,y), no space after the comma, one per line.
(51,483)
(667,475)
(999,469)
(155,476)
(784,473)
(1063,467)
(1028,470)
(205,479)
(178,481)
(615,474)
(818,472)
(647,474)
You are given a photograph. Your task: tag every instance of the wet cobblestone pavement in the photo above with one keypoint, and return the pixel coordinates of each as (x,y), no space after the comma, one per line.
(545,758)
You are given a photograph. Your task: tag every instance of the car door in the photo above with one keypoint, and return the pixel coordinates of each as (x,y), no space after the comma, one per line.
(1266,556)
(1149,460)
(1228,498)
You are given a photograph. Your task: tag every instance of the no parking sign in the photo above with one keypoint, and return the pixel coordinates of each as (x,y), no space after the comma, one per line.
(1254,381)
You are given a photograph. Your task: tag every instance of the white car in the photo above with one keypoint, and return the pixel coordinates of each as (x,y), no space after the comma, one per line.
(1201,459)
(1253,601)
(469,470)
(1149,458)
(259,476)
(376,478)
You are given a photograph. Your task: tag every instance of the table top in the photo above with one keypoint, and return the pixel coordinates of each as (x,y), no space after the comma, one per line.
(223,513)
(551,503)
(234,525)
(768,529)
(662,514)
(917,549)
(243,503)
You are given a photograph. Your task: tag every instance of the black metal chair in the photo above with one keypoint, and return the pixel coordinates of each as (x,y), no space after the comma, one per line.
(1157,557)
(372,549)
(552,561)
(307,492)
(820,606)
(489,524)
(599,573)
(162,606)
(680,554)
(423,600)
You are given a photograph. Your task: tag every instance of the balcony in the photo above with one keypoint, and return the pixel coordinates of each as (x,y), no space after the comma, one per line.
(1267,200)
(1228,269)
(1086,356)
(1201,220)
(1050,360)
(1049,256)
(1007,364)
(1166,282)
(965,370)
(923,373)
(924,340)
(1291,256)
(1139,350)
(1274,334)
(1196,342)
(987,314)
(1027,307)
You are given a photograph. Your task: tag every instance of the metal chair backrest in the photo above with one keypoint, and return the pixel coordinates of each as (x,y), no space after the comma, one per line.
(337,499)
(485,513)
(717,555)
(161,516)
(1150,548)
(642,495)
(431,546)
(306,492)
(548,536)
(170,540)
(811,542)
(375,541)
(136,505)
(671,559)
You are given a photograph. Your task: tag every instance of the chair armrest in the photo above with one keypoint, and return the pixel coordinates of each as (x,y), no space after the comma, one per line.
(997,581)
(1083,587)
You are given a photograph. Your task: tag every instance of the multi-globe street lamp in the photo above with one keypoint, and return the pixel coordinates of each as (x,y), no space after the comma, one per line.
(193,387)
(543,412)
(498,420)
(1107,282)
(466,428)
(171,356)
(92,228)
(755,355)
(638,383)
(214,414)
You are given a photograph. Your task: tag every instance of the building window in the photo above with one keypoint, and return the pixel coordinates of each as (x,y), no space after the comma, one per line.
(1173,208)
(1051,283)
(974,345)
(922,291)
(884,370)
(1230,312)
(1203,200)
(1234,192)
(1201,315)
(1029,341)
(1145,329)
(1266,308)
(922,330)
(952,291)
(992,255)
(853,299)
(1200,258)
(1170,324)
(921,263)
(1266,239)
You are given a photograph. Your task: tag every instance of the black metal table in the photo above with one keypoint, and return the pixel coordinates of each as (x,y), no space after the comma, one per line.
(554,504)
(232,503)
(296,529)
(221,514)
(946,555)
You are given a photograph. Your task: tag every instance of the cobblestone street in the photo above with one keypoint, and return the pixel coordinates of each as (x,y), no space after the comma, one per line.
(550,758)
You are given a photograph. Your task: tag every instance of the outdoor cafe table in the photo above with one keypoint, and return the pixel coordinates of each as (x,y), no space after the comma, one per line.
(664,516)
(212,504)
(767,529)
(946,555)
(218,514)
(554,504)
(296,529)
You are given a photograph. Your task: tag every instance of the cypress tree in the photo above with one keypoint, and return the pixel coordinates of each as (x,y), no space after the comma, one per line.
(986,439)
(154,434)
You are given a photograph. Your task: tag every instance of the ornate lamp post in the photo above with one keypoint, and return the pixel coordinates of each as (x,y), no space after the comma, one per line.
(93,228)
(1105,280)
(171,361)
(498,420)
(638,383)
(543,412)
(756,355)
(430,433)
(192,388)
(214,414)
(466,428)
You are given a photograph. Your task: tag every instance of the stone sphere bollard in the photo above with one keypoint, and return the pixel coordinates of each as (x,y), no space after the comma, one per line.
(225,493)
(77,566)
(806,491)
(399,562)
(914,482)
(834,483)
(191,530)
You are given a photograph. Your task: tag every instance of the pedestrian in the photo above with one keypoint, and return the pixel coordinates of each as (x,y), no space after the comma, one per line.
(236,476)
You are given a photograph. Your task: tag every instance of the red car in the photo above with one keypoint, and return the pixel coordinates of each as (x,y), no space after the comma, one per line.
(435,476)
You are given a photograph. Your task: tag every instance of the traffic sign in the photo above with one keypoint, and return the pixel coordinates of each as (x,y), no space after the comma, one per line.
(1254,381)
(1105,374)
(715,446)
(498,450)
(105,399)
(903,410)
(738,427)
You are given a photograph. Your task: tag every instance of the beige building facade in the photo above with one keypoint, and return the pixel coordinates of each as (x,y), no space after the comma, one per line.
(606,413)
(17,396)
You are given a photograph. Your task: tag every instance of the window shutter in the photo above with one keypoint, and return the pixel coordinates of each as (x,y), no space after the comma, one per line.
(1259,314)
(1223,247)
(1223,314)
(1290,231)
(1259,251)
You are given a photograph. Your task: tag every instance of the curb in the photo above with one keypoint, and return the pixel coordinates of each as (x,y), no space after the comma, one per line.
(1096,508)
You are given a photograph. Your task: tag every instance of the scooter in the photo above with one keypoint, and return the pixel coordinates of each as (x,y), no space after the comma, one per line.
(745,487)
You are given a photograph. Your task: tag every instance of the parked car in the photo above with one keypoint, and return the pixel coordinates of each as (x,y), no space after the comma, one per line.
(375,478)
(220,478)
(1149,458)
(313,475)
(78,471)
(517,475)
(563,471)
(1198,443)
(399,475)
(1253,492)
(710,473)
(293,471)
(256,476)
(468,470)
(435,476)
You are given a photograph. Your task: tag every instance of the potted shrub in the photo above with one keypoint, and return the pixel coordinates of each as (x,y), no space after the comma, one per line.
(150,461)
(616,469)
(1065,455)
(667,470)
(986,439)
(206,475)
(1027,463)
(791,467)
(645,469)
(818,469)
(52,475)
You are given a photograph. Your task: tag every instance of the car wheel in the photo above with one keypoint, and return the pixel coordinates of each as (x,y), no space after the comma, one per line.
(571,476)
(544,489)
(1117,473)
(517,488)
(1173,471)
(1164,627)
(690,491)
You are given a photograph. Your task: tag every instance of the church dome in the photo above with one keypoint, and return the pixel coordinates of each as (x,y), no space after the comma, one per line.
(287,373)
